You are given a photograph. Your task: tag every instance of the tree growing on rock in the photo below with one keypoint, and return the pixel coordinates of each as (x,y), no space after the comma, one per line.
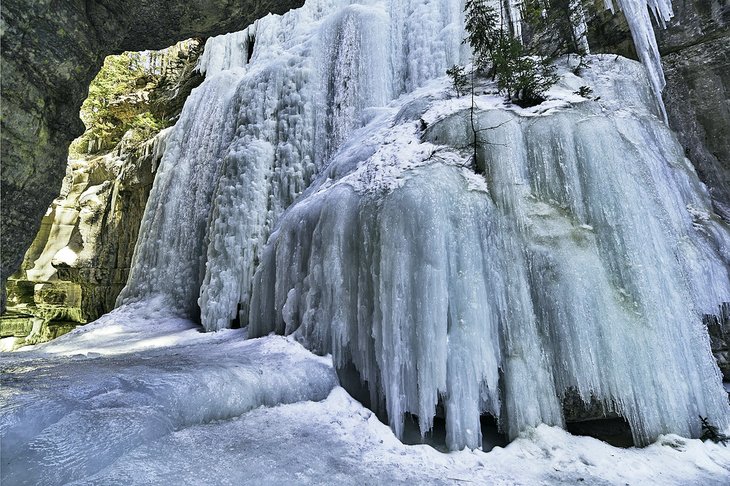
(522,78)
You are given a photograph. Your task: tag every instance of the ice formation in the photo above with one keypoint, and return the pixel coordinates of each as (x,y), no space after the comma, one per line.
(642,31)
(579,251)
(577,266)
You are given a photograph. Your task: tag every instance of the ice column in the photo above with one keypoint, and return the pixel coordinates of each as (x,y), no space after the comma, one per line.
(642,31)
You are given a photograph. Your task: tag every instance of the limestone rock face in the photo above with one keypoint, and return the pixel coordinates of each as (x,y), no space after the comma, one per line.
(79,261)
(50,53)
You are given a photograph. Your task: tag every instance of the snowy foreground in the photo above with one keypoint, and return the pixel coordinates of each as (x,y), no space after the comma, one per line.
(142,398)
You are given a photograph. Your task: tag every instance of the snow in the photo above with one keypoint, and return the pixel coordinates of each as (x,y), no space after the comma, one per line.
(142,398)
(74,406)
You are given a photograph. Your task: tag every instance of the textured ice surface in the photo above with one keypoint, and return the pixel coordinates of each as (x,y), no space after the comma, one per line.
(74,407)
(578,263)
(139,398)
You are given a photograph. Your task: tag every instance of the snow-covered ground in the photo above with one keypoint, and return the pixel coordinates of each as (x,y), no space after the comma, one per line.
(140,397)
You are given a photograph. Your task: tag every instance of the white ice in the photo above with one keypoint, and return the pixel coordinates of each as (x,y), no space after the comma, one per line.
(577,262)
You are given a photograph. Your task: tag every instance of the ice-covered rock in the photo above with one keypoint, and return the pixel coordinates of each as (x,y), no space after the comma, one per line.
(573,264)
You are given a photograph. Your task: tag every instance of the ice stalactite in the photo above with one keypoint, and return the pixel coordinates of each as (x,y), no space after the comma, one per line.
(580,27)
(642,32)
(226,52)
(577,266)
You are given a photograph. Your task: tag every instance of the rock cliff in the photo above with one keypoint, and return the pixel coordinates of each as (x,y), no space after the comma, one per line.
(79,260)
(696,57)
(50,53)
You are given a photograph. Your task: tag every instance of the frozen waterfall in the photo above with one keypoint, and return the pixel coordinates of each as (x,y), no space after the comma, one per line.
(584,262)
(317,183)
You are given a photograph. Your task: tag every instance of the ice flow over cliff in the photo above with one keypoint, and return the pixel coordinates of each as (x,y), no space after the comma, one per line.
(582,261)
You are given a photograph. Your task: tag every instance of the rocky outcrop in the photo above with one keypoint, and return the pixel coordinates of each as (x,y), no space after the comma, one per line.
(695,48)
(696,58)
(50,53)
(718,327)
(79,260)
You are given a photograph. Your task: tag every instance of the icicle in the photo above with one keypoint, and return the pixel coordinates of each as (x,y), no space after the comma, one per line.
(228,51)
(642,31)
(515,17)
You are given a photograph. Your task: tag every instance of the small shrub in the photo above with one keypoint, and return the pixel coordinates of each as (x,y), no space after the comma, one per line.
(459,79)
(711,432)
(584,91)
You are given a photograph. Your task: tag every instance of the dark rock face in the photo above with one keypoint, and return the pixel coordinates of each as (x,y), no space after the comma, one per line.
(696,57)
(718,327)
(50,53)
(695,48)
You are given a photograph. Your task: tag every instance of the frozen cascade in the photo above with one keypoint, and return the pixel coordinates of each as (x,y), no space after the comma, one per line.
(168,256)
(534,288)
(580,265)
(255,134)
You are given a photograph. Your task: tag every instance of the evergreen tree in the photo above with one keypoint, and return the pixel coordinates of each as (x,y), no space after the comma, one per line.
(459,79)
(521,77)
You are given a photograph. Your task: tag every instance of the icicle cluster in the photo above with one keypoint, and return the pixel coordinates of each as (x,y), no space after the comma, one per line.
(577,267)
(642,31)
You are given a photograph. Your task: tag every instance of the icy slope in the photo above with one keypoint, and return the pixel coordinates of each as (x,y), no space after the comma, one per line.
(140,398)
(74,407)
(337,441)
(584,259)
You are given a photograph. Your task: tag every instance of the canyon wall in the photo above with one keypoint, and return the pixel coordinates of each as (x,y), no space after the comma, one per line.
(50,54)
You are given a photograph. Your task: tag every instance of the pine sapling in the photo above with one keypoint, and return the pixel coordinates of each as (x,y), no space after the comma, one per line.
(459,79)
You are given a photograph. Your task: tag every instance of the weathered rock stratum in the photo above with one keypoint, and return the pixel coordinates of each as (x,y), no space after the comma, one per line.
(50,54)
(696,57)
